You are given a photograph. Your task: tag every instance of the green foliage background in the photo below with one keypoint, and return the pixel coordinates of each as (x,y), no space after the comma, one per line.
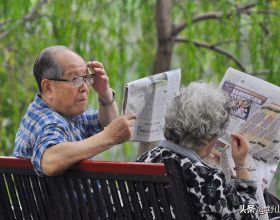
(122,35)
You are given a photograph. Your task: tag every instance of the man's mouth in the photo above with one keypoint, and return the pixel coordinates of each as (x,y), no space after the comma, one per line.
(82,100)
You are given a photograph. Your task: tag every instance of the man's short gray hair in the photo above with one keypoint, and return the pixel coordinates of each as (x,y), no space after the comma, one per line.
(46,65)
(199,114)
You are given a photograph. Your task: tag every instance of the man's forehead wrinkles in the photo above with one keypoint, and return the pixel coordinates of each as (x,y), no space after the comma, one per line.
(77,70)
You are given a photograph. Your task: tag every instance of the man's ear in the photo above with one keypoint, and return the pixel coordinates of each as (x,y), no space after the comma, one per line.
(47,88)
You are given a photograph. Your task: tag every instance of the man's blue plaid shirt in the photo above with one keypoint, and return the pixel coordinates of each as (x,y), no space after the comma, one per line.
(42,127)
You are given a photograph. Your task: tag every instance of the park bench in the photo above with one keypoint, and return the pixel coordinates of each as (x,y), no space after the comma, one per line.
(94,190)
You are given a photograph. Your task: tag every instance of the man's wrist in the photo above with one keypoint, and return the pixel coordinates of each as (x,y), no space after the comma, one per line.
(108,138)
(108,103)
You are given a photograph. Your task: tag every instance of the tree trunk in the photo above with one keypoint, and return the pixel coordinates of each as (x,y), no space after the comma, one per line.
(165,44)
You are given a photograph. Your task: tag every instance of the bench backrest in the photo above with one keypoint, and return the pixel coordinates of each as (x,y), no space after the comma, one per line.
(93,190)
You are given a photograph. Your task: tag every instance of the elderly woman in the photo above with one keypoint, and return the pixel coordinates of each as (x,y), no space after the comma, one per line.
(194,121)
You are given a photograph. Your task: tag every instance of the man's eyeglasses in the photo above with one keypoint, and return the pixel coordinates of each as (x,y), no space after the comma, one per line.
(78,81)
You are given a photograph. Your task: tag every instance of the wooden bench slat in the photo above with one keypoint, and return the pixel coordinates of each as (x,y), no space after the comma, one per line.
(116,199)
(22,197)
(154,201)
(51,214)
(5,205)
(55,197)
(135,200)
(107,199)
(81,199)
(38,197)
(164,201)
(14,199)
(72,198)
(90,200)
(29,192)
(144,200)
(100,203)
(125,199)
(67,211)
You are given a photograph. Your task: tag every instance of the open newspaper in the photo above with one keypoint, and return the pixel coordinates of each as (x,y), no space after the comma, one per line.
(257,115)
(148,97)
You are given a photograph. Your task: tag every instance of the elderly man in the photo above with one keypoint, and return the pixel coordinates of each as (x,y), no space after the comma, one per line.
(57,131)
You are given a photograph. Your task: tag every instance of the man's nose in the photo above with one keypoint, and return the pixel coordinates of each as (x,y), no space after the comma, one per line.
(84,86)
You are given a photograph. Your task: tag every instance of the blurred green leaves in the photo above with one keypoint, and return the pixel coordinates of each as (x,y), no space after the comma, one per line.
(122,35)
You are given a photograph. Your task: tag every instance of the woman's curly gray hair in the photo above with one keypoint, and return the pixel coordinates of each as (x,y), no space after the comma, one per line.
(199,114)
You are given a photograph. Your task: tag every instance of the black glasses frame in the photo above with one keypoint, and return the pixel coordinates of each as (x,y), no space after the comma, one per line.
(88,79)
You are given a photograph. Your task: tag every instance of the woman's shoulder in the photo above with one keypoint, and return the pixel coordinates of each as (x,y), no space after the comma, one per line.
(158,154)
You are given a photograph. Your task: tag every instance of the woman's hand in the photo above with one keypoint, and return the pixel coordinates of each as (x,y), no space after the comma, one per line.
(240,149)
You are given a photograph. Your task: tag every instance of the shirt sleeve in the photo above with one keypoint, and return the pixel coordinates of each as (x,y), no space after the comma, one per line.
(237,201)
(50,135)
(91,122)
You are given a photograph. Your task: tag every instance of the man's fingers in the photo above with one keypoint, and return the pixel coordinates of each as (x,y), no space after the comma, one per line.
(95,64)
(131,123)
(130,116)
(99,72)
